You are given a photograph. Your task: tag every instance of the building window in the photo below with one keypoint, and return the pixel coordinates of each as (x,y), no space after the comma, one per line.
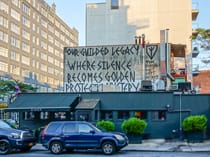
(60,115)
(4,7)
(3,66)
(3,52)
(25,21)
(4,36)
(106,115)
(28,115)
(159,115)
(25,73)
(14,69)
(3,22)
(15,42)
(26,35)
(114,4)
(25,47)
(123,115)
(15,56)
(26,9)
(15,14)
(140,114)
(25,60)
(44,115)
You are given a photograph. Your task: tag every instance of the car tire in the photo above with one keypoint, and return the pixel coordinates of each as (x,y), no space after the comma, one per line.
(5,146)
(56,147)
(108,148)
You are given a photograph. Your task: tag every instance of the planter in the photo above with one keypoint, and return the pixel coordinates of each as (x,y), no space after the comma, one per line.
(134,139)
(194,137)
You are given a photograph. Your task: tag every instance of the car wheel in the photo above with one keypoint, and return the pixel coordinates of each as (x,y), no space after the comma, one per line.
(5,147)
(56,147)
(108,148)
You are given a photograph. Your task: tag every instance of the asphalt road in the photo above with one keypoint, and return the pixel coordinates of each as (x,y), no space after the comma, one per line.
(123,153)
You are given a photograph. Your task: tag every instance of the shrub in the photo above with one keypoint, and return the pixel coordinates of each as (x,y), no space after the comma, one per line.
(134,126)
(195,123)
(106,125)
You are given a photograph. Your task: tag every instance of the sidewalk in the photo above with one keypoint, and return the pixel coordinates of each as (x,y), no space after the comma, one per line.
(171,146)
(160,145)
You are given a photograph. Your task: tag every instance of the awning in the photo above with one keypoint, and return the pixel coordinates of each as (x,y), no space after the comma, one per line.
(88,104)
(43,102)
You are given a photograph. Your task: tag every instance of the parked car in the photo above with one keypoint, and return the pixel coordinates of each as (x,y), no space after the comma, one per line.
(70,135)
(12,138)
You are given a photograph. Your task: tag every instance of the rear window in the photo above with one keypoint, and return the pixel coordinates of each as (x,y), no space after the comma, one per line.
(53,127)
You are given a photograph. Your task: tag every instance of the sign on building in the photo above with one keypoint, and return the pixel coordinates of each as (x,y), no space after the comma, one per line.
(106,68)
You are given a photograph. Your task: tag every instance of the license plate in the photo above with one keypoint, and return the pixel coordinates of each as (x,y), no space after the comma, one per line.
(30,144)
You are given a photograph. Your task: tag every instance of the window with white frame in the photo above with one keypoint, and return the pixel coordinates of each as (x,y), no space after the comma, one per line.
(43,45)
(15,28)
(57,63)
(50,28)
(15,14)
(50,70)
(43,56)
(25,73)
(3,22)
(15,42)
(14,69)
(3,51)
(25,21)
(25,47)
(4,36)
(43,23)
(26,35)
(25,9)
(50,49)
(3,7)
(15,56)
(57,24)
(3,66)
(43,67)
(16,2)
(43,34)
(50,59)
(57,53)
(50,38)
(57,33)
(57,43)
(25,60)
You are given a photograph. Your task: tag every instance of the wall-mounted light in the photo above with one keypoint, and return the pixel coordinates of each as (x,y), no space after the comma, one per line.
(168,106)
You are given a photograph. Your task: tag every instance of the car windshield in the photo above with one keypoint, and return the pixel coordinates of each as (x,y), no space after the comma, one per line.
(5,125)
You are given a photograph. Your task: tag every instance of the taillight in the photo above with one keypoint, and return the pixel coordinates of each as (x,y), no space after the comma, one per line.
(43,132)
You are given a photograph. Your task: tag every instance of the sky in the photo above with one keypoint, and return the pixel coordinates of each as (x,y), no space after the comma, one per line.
(72,12)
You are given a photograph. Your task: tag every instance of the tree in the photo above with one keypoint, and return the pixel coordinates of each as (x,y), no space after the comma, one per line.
(203,37)
(9,88)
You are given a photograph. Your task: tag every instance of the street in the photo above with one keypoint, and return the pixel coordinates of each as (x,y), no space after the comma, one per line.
(90,153)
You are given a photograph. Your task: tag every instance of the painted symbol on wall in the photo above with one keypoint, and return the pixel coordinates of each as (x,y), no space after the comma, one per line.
(151,51)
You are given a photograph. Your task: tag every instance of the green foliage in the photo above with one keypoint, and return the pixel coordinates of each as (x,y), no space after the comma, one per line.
(195,123)
(6,87)
(106,125)
(203,36)
(134,126)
